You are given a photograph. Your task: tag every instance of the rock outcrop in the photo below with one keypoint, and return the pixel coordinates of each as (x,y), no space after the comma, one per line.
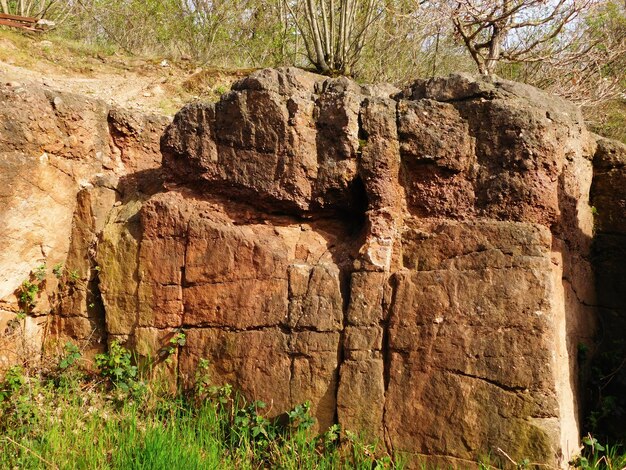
(416,263)
(607,382)
(61,172)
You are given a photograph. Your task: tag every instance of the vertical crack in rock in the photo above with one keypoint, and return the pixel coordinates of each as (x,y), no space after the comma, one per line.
(387,303)
(183,284)
(345,294)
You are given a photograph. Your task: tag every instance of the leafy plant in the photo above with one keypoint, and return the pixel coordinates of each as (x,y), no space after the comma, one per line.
(330,438)
(13,381)
(249,424)
(300,417)
(117,365)
(72,419)
(40,272)
(28,293)
(57,270)
(595,456)
(70,357)
(175,342)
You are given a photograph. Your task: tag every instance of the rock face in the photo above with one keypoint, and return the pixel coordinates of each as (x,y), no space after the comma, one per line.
(608,197)
(61,172)
(415,263)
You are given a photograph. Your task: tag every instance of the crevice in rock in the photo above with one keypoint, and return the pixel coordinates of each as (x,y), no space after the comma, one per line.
(345,289)
(464,99)
(506,388)
(386,355)
(232,329)
(95,304)
(356,218)
(114,136)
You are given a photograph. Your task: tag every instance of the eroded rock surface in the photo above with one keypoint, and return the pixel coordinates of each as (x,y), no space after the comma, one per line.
(415,263)
(61,172)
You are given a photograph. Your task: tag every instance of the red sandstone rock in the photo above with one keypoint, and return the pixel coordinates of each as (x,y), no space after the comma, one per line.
(416,264)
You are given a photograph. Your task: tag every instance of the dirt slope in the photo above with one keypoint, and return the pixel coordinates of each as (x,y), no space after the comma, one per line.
(147,84)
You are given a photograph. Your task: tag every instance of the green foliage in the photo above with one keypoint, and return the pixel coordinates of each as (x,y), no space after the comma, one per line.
(117,365)
(220,90)
(300,417)
(57,270)
(205,390)
(597,456)
(28,293)
(30,288)
(13,382)
(175,342)
(74,276)
(71,354)
(249,425)
(79,423)
(40,272)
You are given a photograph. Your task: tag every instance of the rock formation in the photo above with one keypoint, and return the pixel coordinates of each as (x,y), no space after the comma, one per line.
(416,263)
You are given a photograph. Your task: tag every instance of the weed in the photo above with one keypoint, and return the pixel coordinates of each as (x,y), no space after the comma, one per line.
(13,382)
(175,342)
(57,270)
(40,272)
(205,390)
(28,293)
(117,366)
(220,90)
(71,354)
(82,425)
(300,417)
(597,456)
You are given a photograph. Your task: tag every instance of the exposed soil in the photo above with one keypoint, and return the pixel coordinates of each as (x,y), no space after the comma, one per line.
(147,84)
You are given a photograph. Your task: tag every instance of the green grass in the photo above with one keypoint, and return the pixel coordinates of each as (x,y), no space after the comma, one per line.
(66,418)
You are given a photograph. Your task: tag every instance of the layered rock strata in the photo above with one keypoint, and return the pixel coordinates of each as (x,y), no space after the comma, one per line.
(415,262)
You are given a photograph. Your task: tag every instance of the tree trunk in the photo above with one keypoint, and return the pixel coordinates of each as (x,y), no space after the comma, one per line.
(320,62)
(494,50)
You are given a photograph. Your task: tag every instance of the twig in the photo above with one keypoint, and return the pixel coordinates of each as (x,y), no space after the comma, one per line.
(31,451)
(531,464)
(507,456)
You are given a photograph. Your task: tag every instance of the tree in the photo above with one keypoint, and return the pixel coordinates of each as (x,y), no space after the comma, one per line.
(334,31)
(512,30)
(48,9)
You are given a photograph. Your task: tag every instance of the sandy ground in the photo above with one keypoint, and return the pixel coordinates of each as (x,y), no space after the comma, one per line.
(145,84)
(128,90)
